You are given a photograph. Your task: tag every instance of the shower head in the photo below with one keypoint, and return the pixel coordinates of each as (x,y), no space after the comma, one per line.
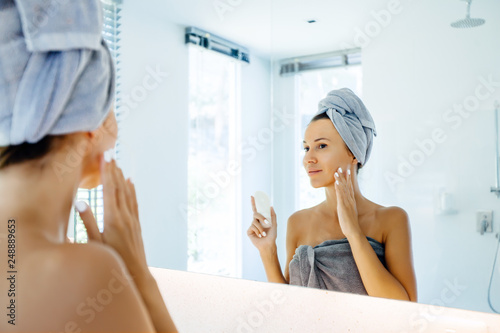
(468,22)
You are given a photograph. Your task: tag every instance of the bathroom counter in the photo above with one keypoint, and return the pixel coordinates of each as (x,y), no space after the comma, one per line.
(202,303)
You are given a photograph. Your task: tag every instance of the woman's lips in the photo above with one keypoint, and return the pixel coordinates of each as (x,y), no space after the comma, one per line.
(313,172)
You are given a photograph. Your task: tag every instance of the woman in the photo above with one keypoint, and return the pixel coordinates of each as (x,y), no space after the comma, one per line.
(346,243)
(56,123)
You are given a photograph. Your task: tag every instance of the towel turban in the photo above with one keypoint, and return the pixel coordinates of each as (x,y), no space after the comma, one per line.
(56,72)
(352,120)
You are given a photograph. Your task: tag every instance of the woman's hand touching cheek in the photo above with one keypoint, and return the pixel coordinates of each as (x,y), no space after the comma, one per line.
(346,204)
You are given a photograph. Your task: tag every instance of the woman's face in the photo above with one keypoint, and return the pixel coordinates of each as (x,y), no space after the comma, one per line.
(325,152)
(104,139)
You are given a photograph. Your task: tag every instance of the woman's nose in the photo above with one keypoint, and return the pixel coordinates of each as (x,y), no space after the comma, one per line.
(309,158)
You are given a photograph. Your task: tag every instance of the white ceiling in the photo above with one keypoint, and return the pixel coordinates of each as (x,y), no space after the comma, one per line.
(279,28)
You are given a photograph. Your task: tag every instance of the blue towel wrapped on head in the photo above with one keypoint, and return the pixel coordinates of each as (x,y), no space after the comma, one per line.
(56,72)
(352,120)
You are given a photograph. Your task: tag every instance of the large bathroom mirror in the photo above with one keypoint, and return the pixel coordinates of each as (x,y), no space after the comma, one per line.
(201,131)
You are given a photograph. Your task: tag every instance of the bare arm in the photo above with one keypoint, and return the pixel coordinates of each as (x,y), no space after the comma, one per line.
(398,280)
(272,265)
(154,303)
(270,257)
(263,237)
(291,242)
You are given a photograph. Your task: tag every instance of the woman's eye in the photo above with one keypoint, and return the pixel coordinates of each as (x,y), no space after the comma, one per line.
(306,149)
(321,146)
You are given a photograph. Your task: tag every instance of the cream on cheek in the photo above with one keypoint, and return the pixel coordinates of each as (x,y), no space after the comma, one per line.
(330,163)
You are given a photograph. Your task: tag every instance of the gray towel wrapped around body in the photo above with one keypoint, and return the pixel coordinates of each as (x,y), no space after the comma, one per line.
(330,265)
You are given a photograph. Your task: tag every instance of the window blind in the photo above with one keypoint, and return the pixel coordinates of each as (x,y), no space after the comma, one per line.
(215,43)
(294,66)
(111,34)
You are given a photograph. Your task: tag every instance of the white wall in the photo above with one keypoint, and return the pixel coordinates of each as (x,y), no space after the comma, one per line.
(154,136)
(414,70)
(154,133)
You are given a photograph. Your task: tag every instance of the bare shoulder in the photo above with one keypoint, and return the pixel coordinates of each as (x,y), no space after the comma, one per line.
(308,213)
(395,215)
(393,218)
(81,280)
(297,225)
(296,220)
(299,215)
(88,258)
(83,267)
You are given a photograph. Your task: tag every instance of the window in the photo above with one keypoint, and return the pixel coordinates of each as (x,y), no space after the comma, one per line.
(94,197)
(314,86)
(213,204)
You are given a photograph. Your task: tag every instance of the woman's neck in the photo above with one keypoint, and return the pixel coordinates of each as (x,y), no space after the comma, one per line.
(40,199)
(331,197)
